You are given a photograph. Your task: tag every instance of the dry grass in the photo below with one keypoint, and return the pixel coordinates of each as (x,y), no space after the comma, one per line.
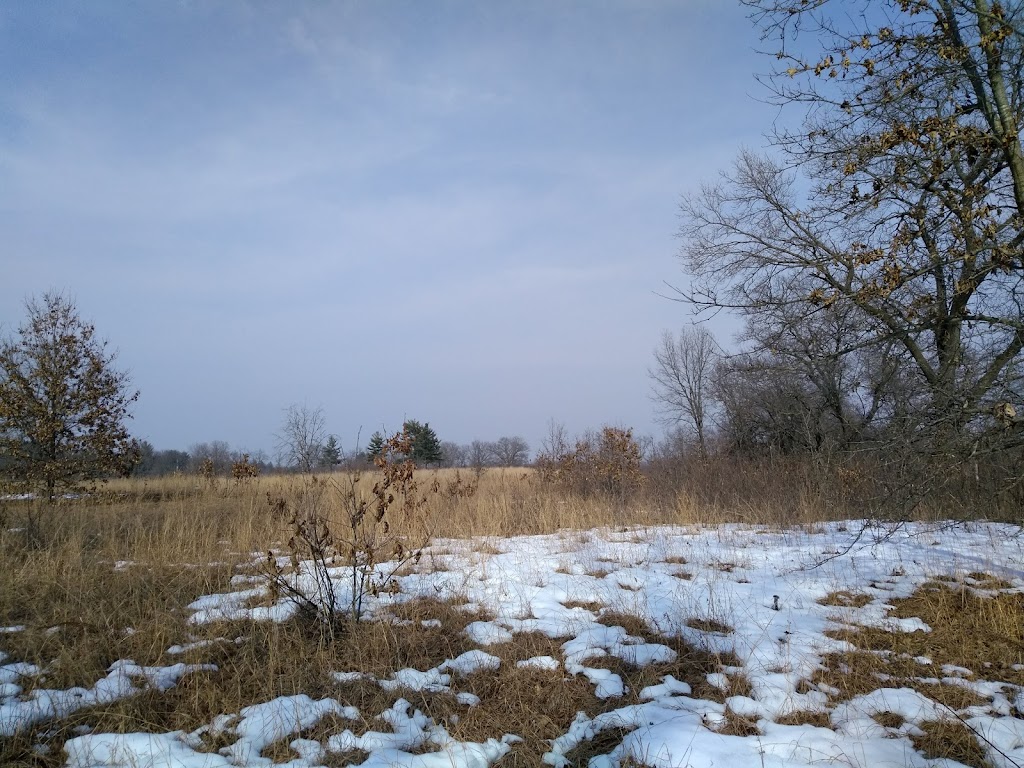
(966,629)
(952,740)
(806,717)
(587,605)
(709,625)
(517,502)
(981,632)
(738,725)
(603,743)
(846,599)
(179,538)
(69,571)
(889,719)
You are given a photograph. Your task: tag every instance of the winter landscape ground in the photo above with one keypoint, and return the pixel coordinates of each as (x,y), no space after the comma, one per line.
(698,644)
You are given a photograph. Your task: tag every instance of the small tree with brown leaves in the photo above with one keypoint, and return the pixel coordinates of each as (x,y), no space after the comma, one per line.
(606,464)
(243,469)
(63,405)
(370,532)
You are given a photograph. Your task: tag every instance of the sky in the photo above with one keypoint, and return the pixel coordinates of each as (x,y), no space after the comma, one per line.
(463,213)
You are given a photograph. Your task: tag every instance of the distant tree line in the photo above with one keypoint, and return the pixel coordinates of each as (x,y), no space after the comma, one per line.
(324,453)
(504,452)
(217,455)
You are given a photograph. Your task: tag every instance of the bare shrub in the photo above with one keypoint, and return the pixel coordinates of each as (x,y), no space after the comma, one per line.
(349,522)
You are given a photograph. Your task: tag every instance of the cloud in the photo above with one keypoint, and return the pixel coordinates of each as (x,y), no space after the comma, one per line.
(264,203)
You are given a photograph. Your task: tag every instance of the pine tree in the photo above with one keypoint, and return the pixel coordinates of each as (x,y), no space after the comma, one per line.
(330,456)
(375,446)
(426,448)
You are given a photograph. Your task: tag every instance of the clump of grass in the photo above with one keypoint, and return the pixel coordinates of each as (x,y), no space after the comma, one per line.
(633,625)
(892,720)
(345,759)
(451,613)
(845,599)
(805,717)
(739,685)
(955,697)
(602,743)
(537,704)
(987,581)
(736,724)
(280,751)
(588,605)
(709,625)
(952,740)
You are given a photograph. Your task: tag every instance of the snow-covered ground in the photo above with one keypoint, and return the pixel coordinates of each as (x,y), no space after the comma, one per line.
(764,585)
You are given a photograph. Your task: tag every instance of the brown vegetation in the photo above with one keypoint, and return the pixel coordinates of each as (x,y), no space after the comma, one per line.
(130,559)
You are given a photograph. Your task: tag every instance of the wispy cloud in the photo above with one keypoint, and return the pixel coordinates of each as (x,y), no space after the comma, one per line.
(483,192)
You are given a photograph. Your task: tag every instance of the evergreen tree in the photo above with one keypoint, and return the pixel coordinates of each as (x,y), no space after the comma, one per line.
(375,446)
(330,456)
(426,448)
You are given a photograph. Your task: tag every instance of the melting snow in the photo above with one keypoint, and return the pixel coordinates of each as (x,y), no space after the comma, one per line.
(764,585)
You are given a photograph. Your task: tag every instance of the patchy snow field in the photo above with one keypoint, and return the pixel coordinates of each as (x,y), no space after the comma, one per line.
(749,594)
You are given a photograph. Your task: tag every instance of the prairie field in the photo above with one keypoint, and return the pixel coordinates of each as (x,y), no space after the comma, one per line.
(747,620)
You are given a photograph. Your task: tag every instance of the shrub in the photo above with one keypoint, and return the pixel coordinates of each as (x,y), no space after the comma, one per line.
(606,464)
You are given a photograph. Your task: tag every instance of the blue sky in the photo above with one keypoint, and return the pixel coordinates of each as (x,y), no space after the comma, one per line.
(459,212)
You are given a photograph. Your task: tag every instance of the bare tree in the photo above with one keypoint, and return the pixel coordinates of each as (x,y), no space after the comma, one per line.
(909,203)
(897,203)
(216,455)
(851,384)
(479,454)
(556,442)
(510,451)
(301,440)
(453,454)
(681,376)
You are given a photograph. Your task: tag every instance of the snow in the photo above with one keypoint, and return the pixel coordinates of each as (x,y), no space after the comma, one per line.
(763,585)
(669,687)
(411,729)
(539,662)
(470,662)
(487,633)
(432,680)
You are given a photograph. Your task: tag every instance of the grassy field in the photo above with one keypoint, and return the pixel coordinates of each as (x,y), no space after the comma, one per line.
(86,583)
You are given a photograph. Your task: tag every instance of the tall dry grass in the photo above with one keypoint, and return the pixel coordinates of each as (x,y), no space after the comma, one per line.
(98,579)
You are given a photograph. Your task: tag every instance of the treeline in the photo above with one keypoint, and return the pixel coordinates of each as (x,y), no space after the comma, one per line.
(216,454)
(218,458)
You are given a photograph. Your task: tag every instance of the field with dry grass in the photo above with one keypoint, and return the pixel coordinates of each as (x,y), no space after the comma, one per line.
(138,628)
